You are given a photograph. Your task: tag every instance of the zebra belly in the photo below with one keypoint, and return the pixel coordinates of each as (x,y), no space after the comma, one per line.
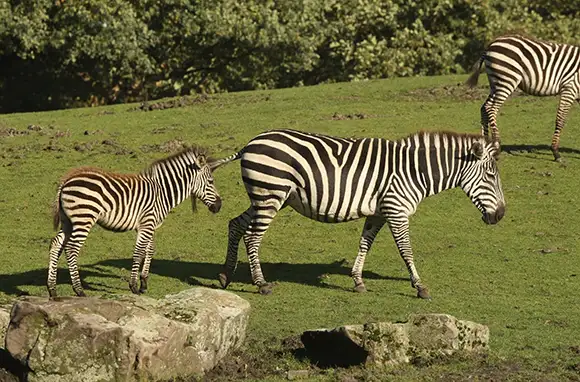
(118,222)
(333,214)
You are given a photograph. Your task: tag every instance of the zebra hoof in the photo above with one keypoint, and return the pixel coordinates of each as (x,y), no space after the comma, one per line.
(423,293)
(265,289)
(142,290)
(134,288)
(359,288)
(81,294)
(224,280)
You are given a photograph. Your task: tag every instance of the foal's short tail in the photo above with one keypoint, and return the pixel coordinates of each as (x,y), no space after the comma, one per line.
(472,80)
(56,209)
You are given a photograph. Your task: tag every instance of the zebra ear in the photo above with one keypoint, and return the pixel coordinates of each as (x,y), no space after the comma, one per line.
(477,149)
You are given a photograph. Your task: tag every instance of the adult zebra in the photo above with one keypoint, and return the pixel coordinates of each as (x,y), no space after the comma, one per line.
(335,180)
(124,202)
(536,67)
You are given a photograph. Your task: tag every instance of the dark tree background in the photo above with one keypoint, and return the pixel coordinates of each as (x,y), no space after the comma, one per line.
(64,53)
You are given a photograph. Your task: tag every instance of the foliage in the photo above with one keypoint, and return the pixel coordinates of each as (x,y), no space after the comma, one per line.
(66,53)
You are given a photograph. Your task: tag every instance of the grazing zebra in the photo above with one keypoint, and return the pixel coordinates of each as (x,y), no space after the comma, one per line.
(336,180)
(124,202)
(536,67)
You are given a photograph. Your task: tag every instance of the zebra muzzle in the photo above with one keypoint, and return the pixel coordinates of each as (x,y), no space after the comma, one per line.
(496,216)
(215,207)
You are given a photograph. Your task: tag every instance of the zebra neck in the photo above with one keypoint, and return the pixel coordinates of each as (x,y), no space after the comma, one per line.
(437,160)
(174,185)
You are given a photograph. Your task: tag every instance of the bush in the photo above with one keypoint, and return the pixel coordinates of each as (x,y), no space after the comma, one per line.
(87,52)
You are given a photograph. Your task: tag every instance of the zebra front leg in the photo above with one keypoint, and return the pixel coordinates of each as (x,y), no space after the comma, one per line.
(56,248)
(236,229)
(259,223)
(373,225)
(144,239)
(400,229)
(566,100)
(145,266)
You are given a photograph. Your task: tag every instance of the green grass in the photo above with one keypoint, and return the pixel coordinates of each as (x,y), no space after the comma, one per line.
(520,277)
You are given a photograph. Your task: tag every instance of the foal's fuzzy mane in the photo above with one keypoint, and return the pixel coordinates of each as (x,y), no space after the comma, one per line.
(197,151)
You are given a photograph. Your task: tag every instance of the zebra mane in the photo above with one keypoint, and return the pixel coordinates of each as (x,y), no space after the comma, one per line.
(449,134)
(200,153)
(521,34)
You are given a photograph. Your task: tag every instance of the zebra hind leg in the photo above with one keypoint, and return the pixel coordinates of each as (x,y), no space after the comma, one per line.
(253,236)
(566,101)
(140,254)
(145,264)
(56,248)
(72,249)
(236,229)
(373,225)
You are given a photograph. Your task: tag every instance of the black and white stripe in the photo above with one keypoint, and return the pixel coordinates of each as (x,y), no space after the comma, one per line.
(124,202)
(536,67)
(336,180)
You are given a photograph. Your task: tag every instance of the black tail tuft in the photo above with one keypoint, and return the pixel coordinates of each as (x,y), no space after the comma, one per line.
(472,80)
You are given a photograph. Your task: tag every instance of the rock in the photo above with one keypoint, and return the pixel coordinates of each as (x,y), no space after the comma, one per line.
(126,338)
(4,320)
(424,336)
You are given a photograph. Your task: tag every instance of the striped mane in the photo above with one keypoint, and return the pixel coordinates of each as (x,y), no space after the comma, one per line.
(445,133)
(200,154)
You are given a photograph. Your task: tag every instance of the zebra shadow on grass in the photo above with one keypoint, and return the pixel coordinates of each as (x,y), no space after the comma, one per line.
(12,284)
(193,273)
(206,274)
(539,152)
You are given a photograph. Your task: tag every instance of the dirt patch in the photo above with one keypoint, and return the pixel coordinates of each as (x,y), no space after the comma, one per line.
(344,117)
(108,146)
(458,91)
(12,132)
(261,362)
(170,146)
(172,103)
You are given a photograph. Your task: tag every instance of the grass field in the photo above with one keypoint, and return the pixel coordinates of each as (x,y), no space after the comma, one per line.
(520,277)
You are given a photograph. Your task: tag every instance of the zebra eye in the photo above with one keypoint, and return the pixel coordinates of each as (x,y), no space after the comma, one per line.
(194,167)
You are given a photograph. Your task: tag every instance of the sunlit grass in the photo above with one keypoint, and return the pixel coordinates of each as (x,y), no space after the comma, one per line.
(521,277)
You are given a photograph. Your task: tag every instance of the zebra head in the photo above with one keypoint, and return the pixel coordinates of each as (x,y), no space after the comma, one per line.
(202,184)
(481,182)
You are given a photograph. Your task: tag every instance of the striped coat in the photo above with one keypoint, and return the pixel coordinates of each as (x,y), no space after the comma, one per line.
(536,67)
(335,180)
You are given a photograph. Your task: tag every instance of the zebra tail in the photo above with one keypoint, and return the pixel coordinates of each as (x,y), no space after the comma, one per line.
(472,80)
(220,162)
(56,210)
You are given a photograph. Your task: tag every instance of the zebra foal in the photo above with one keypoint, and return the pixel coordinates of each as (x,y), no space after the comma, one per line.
(536,67)
(335,180)
(123,202)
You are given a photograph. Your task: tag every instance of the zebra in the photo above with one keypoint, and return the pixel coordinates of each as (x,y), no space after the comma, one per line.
(124,202)
(536,67)
(335,180)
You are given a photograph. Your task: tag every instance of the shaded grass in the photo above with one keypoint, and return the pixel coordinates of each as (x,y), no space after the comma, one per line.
(520,277)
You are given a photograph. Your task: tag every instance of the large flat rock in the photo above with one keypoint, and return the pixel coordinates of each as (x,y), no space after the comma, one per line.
(128,337)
